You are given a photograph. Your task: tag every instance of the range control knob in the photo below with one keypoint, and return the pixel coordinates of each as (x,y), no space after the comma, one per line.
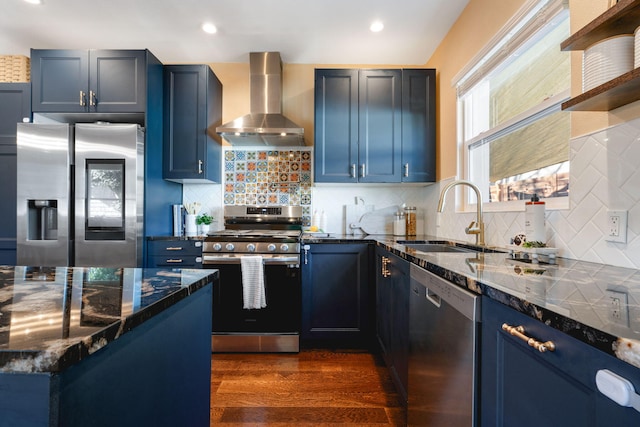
(271,247)
(230,247)
(217,246)
(284,247)
(251,247)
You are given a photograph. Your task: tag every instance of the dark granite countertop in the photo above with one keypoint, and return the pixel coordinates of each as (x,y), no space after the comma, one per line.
(570,295)
(51,318)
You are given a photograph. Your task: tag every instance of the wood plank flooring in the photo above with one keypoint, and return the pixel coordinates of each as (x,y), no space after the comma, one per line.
(311,388)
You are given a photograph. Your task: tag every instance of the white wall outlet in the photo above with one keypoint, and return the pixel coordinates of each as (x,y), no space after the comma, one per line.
(616,230)
(618,307)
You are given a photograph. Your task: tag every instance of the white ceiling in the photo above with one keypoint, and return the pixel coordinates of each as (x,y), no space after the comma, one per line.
(303,31)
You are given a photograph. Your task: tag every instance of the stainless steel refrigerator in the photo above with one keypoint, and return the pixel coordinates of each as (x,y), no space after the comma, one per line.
(80,194)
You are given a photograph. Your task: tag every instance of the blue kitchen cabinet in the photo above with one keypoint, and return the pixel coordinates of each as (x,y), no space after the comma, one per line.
(374,125)
(418,125)
(336,125)
(521,386)
(89,81)
(392,316)
(357,125)
(176,253)
(15,105)
(337,301)
(192,110)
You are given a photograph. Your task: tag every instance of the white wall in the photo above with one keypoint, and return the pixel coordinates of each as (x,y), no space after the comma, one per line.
(333,198)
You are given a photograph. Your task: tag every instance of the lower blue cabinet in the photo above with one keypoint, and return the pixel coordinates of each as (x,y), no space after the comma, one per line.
(392,316)
(521,386)
(336,294)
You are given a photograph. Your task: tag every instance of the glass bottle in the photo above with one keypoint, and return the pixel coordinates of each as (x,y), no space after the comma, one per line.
(411,220)
(399,224)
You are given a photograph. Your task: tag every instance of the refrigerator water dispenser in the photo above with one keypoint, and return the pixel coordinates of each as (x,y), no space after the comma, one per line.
(42,220)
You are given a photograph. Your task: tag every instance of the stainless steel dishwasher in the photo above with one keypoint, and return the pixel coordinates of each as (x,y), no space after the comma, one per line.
(443,341)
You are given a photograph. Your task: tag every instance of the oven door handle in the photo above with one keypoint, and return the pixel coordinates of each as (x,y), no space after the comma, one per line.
(280,260)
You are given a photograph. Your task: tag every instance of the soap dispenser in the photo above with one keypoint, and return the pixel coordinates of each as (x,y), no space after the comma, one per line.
(534,220)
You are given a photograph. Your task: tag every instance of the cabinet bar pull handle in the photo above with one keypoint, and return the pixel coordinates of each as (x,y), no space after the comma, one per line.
(518,332)
(92,98)
(199,166)
(306,249)
(174,261)
(82,101)
(174,248)
(353,170)
(385,267)
(363,170)
(406,170)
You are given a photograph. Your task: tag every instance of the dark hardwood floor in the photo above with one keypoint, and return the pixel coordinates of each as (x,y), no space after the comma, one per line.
(313,387)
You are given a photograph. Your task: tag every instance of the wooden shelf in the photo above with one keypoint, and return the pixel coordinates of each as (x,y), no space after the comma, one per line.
(623,18)
(615,93)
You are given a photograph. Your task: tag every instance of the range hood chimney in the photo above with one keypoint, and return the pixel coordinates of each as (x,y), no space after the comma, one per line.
(265,124)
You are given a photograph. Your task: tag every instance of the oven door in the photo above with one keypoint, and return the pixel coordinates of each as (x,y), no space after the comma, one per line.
(282,315)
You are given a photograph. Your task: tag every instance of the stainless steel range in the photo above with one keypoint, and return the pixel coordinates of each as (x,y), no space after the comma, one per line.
(269,235)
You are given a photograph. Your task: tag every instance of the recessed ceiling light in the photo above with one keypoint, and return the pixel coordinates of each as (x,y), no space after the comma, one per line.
(208,27)
(34,1)
(376,26)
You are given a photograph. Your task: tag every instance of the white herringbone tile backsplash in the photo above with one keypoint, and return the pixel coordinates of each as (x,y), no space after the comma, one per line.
(605,175)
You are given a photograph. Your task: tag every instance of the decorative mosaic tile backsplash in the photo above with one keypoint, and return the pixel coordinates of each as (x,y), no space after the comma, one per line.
(268,177)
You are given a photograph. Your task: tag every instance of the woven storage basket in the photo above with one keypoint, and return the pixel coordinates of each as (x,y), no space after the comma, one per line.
(14,68)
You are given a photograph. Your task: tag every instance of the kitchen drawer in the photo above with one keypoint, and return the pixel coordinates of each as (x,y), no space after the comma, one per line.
(174,253)
(176,261)
(174,247)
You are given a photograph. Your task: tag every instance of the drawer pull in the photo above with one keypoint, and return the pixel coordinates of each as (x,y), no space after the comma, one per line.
(174,248)
(518,331)
(385,267)
(174,261)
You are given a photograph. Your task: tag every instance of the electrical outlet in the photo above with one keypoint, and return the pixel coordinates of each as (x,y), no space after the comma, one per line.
(616,226)
(618,307)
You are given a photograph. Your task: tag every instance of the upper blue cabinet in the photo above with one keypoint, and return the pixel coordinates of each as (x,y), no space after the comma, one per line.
(418,125)
(374,125)
(192,110)
(89,81)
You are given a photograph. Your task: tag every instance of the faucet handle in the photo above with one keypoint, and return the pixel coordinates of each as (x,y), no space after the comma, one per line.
(472,228)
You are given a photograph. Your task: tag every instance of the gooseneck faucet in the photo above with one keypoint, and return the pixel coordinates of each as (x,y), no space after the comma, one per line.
(476,227)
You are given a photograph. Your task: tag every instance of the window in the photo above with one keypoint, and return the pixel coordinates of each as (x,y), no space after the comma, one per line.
(513,136)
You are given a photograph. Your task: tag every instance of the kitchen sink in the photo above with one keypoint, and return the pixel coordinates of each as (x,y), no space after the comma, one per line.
(434,246)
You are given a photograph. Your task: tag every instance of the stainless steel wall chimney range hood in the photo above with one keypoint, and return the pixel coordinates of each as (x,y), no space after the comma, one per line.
(265,124)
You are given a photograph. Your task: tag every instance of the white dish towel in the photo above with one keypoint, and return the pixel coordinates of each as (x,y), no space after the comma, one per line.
(253,292)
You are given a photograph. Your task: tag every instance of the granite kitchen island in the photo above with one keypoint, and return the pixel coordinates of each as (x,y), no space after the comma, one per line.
(105,346)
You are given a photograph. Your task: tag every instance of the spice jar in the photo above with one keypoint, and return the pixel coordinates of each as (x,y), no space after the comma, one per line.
(410,220)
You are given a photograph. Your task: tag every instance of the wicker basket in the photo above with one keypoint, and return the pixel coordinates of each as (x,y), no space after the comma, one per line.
(14,68)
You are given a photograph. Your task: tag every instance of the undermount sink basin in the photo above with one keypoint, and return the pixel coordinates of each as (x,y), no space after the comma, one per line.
(434,247)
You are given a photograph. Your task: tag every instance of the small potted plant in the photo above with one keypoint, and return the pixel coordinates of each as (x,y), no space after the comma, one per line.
(204,221)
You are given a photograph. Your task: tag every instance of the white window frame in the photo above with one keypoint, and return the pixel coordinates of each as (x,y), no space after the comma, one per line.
(493,53)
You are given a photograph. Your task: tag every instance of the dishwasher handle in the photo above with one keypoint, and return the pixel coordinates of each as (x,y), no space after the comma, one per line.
(433,298)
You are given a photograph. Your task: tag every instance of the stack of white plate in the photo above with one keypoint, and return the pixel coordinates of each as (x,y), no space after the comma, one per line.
(606,60)
(636,48)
